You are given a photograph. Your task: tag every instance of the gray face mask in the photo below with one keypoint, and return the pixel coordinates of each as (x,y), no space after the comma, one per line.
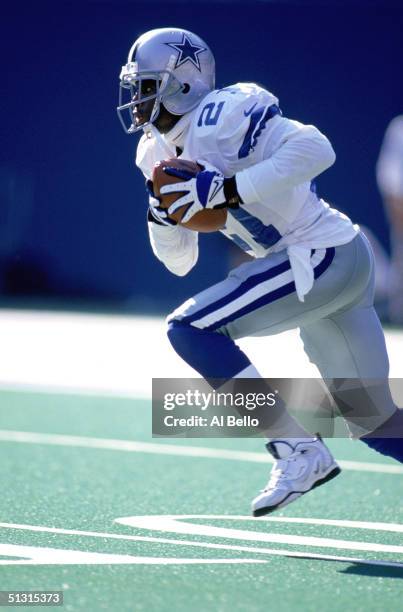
(140,103)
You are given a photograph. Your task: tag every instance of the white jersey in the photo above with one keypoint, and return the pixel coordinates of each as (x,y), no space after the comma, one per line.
(240,130)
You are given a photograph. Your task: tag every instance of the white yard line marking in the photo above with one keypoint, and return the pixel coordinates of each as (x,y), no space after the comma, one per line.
(157,540)
(36,555)
(175,524)
(77,390)
(393,527)
(170,449)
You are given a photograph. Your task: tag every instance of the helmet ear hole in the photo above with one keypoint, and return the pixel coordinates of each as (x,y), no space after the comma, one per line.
(186,88)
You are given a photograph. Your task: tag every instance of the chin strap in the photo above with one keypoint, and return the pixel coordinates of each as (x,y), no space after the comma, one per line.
(151,131)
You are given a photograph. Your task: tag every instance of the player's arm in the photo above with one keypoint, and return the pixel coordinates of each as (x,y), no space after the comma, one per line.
(175,246)
(301,153)
(294,154)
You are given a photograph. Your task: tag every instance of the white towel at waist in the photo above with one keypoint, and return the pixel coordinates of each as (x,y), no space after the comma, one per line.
(302,270)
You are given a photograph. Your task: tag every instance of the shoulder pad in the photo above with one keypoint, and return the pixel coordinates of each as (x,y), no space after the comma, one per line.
(224,110)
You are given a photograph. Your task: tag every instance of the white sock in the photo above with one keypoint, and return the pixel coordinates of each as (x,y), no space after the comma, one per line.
(249,372)
(285,426)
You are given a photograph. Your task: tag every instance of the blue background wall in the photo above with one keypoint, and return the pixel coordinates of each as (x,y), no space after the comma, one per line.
(72,216)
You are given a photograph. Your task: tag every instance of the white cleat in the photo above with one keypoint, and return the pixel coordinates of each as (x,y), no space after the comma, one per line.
(301,465)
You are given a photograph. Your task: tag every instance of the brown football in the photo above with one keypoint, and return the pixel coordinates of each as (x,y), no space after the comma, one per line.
(202,221)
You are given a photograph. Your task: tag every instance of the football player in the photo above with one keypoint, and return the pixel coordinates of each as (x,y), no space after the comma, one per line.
(389,173)
(313,269)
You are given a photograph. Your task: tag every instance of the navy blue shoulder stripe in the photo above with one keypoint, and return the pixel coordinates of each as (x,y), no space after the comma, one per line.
(258,120)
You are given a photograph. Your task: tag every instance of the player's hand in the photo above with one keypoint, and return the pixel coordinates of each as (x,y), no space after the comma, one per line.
(205,190)
(156,213)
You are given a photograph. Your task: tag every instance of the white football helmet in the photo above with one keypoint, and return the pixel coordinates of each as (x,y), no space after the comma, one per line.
(178,63)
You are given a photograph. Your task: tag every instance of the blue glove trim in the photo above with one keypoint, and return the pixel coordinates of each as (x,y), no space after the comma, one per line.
(157,220)
(179,173)
(150,188)
(203,184)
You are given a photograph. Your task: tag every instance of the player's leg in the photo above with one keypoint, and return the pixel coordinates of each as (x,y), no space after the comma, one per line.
(257,298)
(350,345)
(202,330)
(260,299)
(355,341)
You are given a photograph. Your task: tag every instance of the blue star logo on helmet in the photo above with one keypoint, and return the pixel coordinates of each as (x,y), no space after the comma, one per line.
(187,51)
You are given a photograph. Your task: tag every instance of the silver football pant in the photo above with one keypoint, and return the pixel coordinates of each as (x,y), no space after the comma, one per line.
(339,327)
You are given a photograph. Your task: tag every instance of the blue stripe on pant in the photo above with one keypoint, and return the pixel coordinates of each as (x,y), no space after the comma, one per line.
(272,296)
(213,354)
(248,284)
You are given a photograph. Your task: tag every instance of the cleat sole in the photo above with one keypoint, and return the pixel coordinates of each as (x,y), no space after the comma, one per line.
(267,510)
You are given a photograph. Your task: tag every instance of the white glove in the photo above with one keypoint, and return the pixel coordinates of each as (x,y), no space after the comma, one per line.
(205,190)
(155,212)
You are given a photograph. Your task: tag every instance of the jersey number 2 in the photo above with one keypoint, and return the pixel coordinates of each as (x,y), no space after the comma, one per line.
(210,114)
